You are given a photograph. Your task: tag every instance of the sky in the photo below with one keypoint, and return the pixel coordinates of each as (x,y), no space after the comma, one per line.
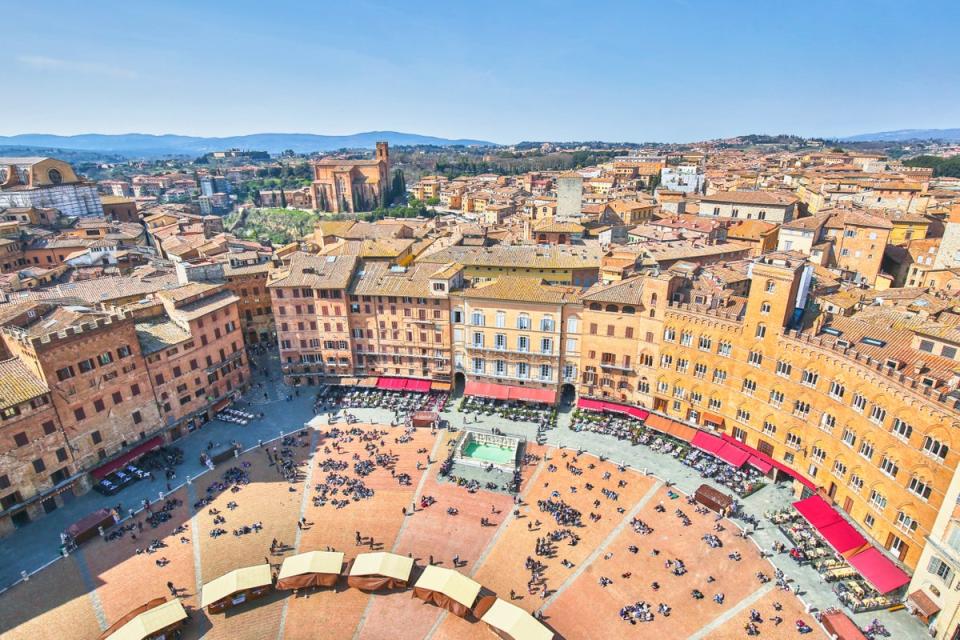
(671,70)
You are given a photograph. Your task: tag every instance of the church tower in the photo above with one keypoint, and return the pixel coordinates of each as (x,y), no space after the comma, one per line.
(383,152)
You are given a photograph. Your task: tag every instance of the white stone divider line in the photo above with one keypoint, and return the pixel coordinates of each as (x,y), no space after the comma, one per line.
(490,545)
(195,541)
(617,530)
(728,615)
(304,501)
(91,584)
(441,438)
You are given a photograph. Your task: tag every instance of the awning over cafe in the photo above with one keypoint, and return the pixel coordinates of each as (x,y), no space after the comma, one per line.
(530,394)
(838,533)
(591,404)
(878,570)
(486,390)
(236,581)
(732,455)
(121,461)
(706,442)
(712,418)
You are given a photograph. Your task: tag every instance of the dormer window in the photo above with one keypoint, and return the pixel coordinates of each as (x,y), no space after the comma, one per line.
(892,364)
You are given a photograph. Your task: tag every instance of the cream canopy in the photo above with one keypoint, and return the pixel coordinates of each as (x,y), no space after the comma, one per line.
(450,583)
(381,563)
(150,622)
(515,622)
(312,562)
(236,580)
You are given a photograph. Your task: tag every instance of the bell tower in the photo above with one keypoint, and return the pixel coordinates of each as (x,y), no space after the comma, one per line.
(383,152)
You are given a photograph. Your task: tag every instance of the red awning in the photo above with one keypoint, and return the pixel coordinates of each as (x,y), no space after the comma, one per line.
(529,394)
(145,447)
(706,442)
(487,390)
(878,570)
(796,475)
(842,537)
(638,413)
(420,386)
(762,466)
(732,455)
(817,511)
(389,384)
(590,404)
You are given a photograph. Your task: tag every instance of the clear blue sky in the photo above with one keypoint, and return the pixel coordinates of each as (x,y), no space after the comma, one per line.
(503,71)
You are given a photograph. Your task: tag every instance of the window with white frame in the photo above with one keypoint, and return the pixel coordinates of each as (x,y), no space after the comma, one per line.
(696,397)
(856,483)
(501,319)
(700,370)
(769,428)
(724,348)
(868,521)
(776,398)
(809,378)
(906,523)
(715,404)
(523,344)
(849,438)
(669,334)
(705,343)
(476,319)
(573,324)
(743,416)
(569,372)
(546,345)
(940,569)
(836,390)
(478,365)
(663,386)
(878,500)
(827,422)
(859,403)
(719,376)
(682,364)
(784,368)
(545,372)
(801,409)
(523,370)
(877,414)
(794,441)
(818,454)
(901,429)
(934,448)
(500,341)
(761,331)
(478,339)
(866,449)
(755,359)
(919,487)
(748,387)
(889,466)
(686,338)
(523,321)
(500,367)
(546,324)
(666,361)
(839,469)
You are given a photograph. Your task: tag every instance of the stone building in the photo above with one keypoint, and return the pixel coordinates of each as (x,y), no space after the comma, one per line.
(36,461)
(517,336)
(351,185)
(194,352)
(92,364)
(47,182)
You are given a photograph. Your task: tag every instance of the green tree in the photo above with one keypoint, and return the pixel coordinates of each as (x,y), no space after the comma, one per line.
(283,199)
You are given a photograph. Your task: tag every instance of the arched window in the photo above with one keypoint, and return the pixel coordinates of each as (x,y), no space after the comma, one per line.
(611,308)
(595,306)
(629,310)
(55,176)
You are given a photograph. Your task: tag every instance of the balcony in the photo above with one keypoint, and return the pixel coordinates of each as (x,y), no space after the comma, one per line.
(528,352)
(613,366)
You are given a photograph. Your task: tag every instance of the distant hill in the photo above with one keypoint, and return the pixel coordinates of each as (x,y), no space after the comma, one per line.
(906,134)
(142,144)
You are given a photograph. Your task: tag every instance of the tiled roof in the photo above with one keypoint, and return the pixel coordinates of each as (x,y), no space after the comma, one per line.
(379,279)
(319,272)
(523,290)
(157,336)
(752,197)
(18,383)
(628,291)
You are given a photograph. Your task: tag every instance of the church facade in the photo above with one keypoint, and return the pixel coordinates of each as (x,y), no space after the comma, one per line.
(346,186)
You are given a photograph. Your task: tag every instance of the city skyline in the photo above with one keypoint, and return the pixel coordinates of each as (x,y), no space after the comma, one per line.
(449,71)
